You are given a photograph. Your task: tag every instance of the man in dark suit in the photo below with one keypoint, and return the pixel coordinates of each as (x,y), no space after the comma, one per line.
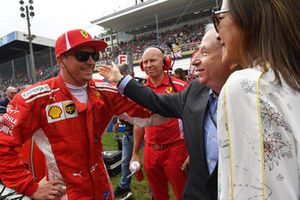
(10,93)
(196,107)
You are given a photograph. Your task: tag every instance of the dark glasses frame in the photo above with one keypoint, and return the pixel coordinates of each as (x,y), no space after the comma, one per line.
(216,17)
(83,56)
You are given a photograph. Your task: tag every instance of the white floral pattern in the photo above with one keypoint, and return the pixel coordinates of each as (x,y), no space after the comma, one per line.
(275,149)
(258,138)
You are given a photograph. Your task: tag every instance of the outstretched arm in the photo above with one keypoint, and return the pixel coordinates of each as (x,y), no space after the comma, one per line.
(167,105)
(112,73)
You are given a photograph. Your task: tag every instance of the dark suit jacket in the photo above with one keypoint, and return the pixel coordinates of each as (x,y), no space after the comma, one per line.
(190,106)
(3,103)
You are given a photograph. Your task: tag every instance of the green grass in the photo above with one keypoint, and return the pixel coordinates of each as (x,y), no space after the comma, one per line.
(140,190)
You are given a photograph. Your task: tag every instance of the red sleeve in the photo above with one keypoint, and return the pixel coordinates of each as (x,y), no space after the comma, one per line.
(122,104)
(179,84)
(119,103)
(16,126)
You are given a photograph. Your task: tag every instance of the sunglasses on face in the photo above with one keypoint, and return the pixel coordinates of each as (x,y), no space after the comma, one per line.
(83,56)
(216,17)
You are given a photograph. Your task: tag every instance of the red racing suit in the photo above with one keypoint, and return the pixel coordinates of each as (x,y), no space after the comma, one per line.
(68,133)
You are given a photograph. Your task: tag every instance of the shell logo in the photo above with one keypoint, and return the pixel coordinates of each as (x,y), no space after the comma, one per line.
(55,112)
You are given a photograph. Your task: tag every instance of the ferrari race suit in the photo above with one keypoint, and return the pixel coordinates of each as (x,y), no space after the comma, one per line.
(68,133)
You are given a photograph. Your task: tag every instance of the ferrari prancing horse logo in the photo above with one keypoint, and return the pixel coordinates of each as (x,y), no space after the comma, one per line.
(84,34)
(168,90)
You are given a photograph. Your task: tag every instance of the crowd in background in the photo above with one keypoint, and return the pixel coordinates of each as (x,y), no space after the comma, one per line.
(22,80)
(182,39)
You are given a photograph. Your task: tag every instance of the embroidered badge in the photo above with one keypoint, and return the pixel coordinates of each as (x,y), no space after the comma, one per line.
(97,94)
(11,119)
(61,110)
(8,123)
(12,110)
(84,34)
(70,108)
(55,112)
(168,90)
(36,90)
(7,129)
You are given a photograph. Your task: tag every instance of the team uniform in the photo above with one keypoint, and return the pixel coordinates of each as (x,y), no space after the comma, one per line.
(61,125)
(165,149)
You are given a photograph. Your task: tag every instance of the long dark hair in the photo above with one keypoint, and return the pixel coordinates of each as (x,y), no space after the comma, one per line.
(271,35)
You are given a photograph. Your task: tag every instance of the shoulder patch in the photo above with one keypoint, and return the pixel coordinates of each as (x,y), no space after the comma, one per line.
(36,90)
(105,85)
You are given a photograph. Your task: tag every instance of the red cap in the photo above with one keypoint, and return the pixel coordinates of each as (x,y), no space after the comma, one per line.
(77,38)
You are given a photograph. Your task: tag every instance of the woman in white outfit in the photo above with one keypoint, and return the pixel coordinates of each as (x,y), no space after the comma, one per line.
(259,107)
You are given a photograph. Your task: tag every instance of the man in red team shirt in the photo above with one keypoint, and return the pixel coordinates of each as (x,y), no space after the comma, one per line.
(165,150)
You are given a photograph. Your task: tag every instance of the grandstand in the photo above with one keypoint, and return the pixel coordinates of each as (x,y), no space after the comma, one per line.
(176,24)
(15,62)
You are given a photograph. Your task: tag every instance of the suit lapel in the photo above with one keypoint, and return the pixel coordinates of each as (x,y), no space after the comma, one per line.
(199,111)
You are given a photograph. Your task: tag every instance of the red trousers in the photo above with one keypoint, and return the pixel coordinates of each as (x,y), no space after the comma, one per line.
(163,165)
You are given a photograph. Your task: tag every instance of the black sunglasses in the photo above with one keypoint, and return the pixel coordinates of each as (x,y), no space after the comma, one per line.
(216,17)
(83,56)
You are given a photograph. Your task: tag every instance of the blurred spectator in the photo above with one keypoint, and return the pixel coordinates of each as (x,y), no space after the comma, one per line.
(10,93)
(180,74)
(123,188)
(22,81)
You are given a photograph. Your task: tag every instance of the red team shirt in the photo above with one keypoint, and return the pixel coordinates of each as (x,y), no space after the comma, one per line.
(171,130)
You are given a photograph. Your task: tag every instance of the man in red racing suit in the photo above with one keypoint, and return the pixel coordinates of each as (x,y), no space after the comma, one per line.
(66,127)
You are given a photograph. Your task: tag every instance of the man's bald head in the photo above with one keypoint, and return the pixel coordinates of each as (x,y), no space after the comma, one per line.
(153,63)
(154,51)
